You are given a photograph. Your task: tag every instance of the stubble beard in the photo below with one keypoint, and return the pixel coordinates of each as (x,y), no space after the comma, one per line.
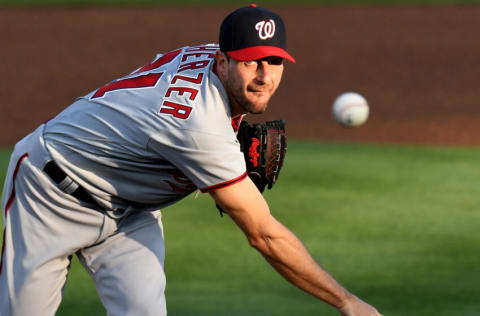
(239,99)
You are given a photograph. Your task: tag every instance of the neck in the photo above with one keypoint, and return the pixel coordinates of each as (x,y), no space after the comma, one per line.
(235,108)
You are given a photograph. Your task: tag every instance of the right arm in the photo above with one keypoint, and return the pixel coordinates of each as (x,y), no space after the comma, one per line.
(283,250)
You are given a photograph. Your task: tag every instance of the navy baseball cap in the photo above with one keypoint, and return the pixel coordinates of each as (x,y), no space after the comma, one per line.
(253,33)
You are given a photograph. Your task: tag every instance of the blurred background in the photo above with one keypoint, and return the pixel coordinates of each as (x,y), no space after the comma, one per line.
(415,64)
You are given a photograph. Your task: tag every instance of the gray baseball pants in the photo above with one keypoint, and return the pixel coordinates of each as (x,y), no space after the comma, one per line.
(44,227)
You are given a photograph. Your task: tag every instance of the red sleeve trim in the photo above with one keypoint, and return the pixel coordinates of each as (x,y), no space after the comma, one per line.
(224,184)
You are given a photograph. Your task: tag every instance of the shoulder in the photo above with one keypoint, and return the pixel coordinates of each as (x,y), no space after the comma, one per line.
(195,98)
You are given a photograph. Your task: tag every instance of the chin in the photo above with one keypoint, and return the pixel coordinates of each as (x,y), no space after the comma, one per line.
(257,108)
(253,104)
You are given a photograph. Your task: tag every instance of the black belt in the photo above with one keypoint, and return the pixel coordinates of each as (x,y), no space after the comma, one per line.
(58,176)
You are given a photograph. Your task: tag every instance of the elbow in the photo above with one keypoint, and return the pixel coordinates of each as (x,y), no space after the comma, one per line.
(259,243)
(264,238)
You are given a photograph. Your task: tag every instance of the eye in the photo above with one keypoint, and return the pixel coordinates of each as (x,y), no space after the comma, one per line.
(250,62)
(275,61)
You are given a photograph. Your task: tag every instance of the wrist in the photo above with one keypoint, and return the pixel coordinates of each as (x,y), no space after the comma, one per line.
(345,301)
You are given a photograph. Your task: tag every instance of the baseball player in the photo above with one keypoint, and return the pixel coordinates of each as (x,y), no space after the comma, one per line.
(92,180)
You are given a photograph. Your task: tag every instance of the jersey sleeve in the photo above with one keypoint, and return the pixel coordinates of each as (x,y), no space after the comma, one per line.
(210,161)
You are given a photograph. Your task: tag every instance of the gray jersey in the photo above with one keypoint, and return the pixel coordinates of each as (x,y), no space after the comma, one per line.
(153,136)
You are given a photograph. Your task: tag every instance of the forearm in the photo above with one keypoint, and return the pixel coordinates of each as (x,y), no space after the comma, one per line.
(285,252)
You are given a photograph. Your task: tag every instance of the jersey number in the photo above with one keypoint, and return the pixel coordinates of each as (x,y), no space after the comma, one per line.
(148,80)
(143,81)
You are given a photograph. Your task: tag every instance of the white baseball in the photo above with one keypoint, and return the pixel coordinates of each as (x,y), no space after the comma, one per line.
(350,109)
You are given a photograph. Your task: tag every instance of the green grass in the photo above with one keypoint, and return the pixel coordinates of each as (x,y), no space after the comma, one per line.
(396,225)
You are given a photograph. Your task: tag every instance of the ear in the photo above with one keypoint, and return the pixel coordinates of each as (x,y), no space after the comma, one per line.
(222,64)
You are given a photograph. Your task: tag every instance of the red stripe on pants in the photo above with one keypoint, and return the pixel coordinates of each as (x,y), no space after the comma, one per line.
(9,203)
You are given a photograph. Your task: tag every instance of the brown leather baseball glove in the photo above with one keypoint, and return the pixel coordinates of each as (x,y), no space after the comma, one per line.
(264,146)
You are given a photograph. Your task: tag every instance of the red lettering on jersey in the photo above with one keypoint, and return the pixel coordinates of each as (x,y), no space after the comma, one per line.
(144,81)
(203,48)
(197,55)
(165,59)
(197,80)
(178,110)
(181,91)
(194,65)
(177,188)
(179,176)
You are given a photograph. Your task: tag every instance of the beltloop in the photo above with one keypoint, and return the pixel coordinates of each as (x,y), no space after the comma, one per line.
(120,213)
(68,185)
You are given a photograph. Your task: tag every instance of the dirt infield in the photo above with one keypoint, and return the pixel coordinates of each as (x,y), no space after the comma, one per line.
(417,66)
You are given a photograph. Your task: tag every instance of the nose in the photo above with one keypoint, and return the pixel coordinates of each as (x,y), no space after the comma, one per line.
(263,72)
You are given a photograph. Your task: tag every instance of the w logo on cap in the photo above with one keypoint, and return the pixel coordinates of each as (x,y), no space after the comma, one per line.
(266,29)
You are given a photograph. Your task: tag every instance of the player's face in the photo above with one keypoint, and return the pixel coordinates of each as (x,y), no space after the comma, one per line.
(251,84)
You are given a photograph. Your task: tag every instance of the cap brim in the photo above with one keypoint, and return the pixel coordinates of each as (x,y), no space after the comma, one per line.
(259,52)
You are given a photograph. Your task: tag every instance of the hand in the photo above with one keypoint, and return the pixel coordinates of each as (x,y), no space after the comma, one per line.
(356,307)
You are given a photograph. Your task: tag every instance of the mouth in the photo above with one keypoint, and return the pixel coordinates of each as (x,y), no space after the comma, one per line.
(256,90)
